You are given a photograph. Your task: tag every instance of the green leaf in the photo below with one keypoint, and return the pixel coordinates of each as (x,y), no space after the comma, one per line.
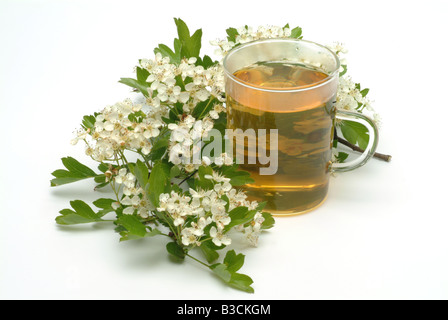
(103,167)
(237,177)
(75,166)
(88,122)
(221,271)
(344,70)
(241,282)
(227,200)
(140,86)
(105,204)
(190,45)
(232,33)
(355,133)
(268,220)
(296,32)
(75,171)
(341,156)
(158,181)
(240,215)
(174,171)
(81,213)
(167,52)
(134,227)
(203,108)
(233,261)
(261,205)
(142,75)
(364,92)
(175,250)
(206,62)
(141,173)
(227,272)
(194,46)
(208,248)
(178,48)
(182,29)
(204,183)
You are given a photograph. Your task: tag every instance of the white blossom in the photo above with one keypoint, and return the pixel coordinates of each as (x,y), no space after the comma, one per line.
(218,237)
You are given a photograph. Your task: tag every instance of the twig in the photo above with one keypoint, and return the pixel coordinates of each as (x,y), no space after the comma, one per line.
(188,177)
(384,157)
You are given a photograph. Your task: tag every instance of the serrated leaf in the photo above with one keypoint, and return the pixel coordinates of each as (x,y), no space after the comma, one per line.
(65,180)
(227,272)
(234,261)
(232,33)
(77,167)
(104,204)
(194,46)
(190,46)
(182,29)
(81,213)
(88,122)
(241,282)
(206,62)
(75,171)
(341,157)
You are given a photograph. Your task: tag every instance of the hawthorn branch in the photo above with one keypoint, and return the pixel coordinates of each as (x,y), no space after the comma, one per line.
(381,156)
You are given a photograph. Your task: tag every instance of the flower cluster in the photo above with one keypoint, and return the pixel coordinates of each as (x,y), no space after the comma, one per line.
(187,82)
(184,139)
(117,128)
(192,212)
(350,97)
(134,197)
(247,34)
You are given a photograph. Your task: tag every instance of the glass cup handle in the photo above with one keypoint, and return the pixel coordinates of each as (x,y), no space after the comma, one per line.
(371,146)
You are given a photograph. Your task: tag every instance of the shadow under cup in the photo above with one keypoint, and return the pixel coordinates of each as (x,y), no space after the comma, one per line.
(298,121)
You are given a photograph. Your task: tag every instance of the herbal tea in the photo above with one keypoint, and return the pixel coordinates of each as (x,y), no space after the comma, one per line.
(305,131)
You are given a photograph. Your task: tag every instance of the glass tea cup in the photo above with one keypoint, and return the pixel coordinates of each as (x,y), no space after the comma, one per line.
(281,102)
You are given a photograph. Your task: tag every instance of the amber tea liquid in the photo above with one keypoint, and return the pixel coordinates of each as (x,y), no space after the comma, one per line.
(305,133)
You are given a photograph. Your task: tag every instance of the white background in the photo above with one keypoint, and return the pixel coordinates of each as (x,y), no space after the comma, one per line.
(381,234)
